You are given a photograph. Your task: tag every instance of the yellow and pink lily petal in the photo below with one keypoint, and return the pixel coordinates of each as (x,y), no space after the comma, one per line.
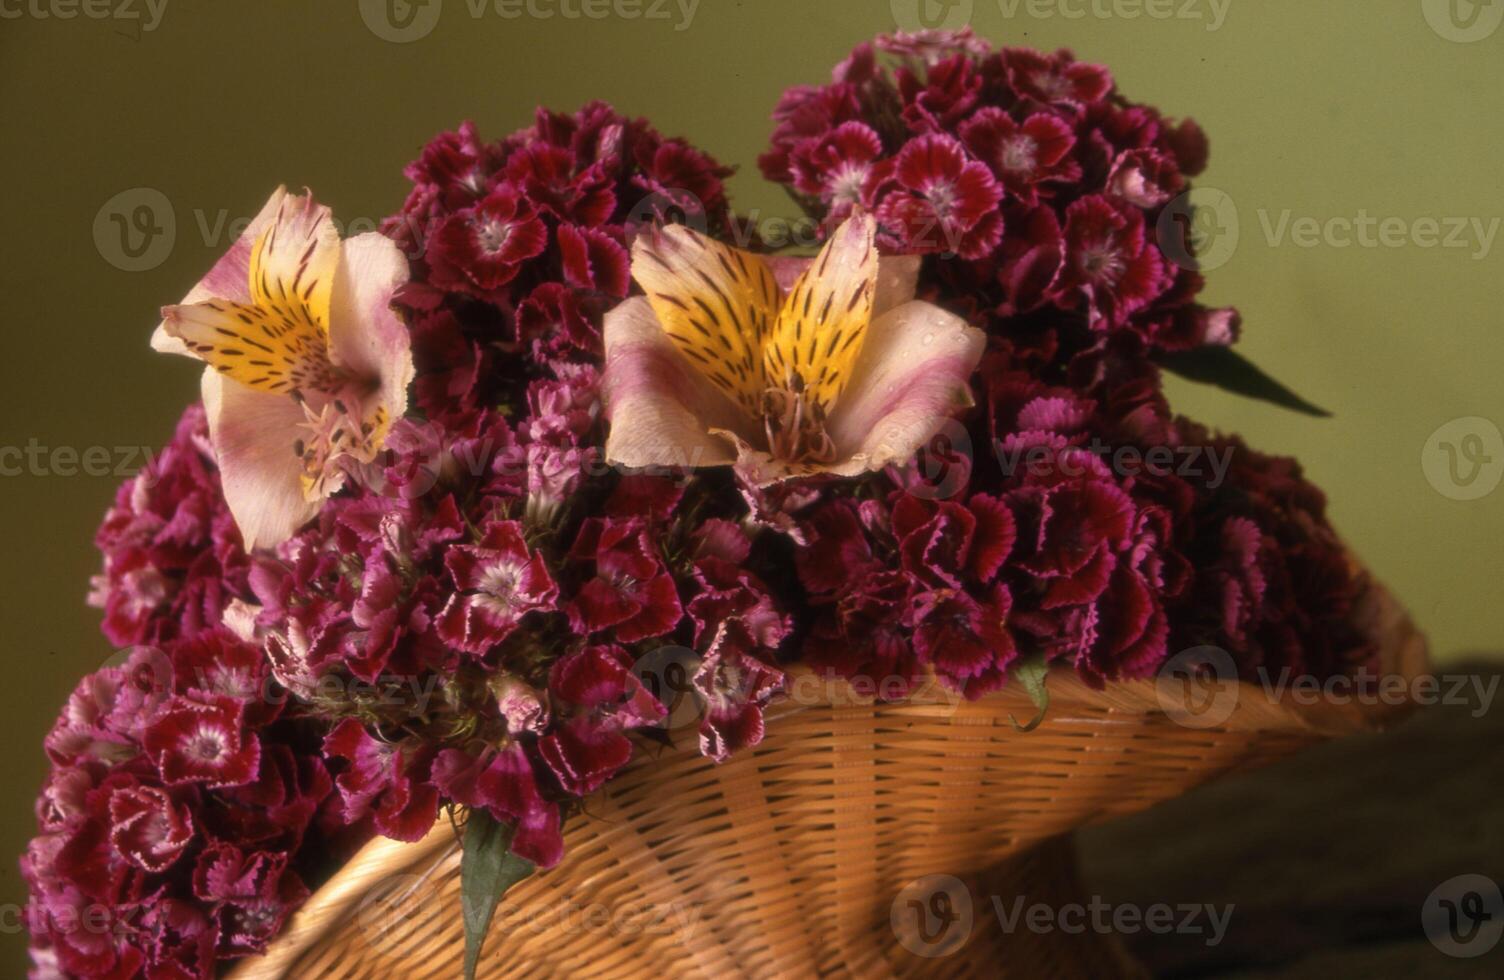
(783,368)
(307,363)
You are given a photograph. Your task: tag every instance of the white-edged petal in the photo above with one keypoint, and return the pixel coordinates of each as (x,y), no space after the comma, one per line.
(661,409)
(366,335)
(253,433)
(229,279)
(912,375)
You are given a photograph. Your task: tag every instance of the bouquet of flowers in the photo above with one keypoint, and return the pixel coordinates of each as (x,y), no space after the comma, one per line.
(453,483)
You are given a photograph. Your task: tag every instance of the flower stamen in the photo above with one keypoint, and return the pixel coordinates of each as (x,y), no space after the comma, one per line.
(795,424)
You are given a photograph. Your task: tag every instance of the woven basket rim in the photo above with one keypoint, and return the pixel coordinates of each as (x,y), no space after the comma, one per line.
(1402,653)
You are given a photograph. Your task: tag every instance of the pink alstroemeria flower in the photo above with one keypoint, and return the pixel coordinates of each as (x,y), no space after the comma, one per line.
(785,368)
(308,364)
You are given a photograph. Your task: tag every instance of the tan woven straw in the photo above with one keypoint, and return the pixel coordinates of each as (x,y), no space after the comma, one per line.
(858,840)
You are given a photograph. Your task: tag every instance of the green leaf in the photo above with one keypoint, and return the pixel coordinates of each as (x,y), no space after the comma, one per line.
(1231,371)
(487,869)
(1031,672)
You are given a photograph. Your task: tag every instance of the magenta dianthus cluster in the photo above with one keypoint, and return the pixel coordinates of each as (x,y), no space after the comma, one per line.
(188,804)
(1048,203)
(468,623)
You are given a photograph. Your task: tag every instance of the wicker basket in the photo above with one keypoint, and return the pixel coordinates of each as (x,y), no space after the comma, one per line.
(852,842)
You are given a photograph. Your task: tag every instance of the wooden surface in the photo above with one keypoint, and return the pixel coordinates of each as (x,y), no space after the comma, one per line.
(1327,856)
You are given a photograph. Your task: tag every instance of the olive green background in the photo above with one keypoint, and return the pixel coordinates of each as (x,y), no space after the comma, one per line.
(1324,109)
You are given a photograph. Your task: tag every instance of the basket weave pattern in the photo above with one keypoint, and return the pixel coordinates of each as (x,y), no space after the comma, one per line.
(786,860)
